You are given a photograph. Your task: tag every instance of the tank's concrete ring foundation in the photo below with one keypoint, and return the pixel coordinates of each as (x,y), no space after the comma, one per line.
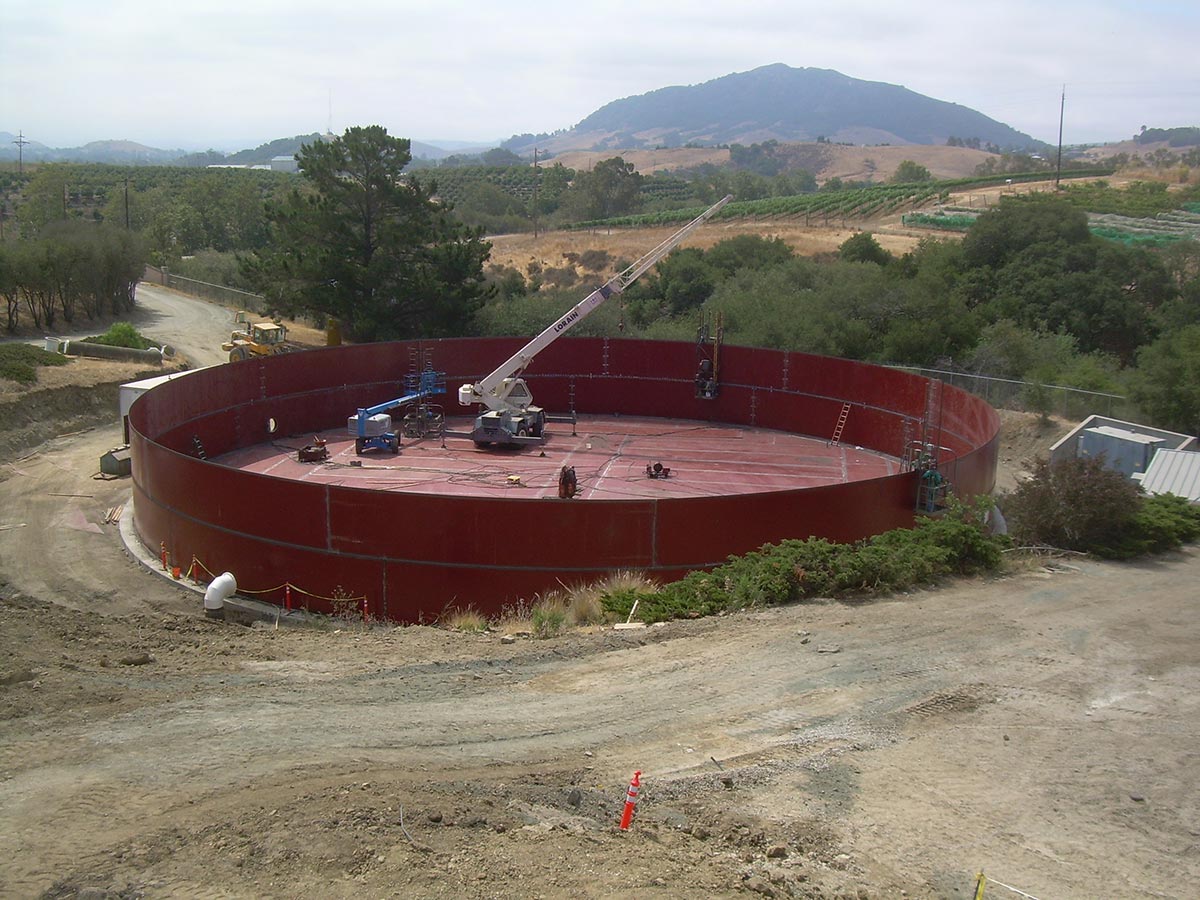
(412,555)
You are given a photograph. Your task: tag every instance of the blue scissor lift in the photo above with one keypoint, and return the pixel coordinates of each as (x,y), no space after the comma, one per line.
(372,427)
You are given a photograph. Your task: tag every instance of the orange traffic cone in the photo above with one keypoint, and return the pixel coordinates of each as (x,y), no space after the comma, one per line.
(631,797)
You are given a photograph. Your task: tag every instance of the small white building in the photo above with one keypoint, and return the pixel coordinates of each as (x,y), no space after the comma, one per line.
(1127,446)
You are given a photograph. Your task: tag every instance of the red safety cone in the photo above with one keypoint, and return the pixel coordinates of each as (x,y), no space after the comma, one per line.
(631,798)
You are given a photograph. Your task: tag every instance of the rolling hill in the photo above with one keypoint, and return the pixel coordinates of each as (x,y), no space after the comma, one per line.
(778,102)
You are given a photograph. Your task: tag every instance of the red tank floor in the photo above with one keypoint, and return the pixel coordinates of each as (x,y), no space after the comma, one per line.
(609,454)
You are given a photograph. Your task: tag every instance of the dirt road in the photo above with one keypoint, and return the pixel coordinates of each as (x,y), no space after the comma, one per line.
(1041,726)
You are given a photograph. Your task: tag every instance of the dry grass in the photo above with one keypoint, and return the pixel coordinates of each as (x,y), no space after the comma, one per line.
(464,619)
(549,614)
(646,161)
(585,602)
(848,162)
(514,619)
(553,249)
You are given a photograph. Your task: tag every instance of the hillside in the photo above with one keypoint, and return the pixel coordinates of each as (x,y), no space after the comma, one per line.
(777,102)
(851,163)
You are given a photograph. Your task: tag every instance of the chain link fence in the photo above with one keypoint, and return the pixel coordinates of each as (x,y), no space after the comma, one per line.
(218,293)
(1029,396)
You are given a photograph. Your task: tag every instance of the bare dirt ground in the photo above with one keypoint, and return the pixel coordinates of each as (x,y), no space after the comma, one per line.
(552,249)
(1040,726)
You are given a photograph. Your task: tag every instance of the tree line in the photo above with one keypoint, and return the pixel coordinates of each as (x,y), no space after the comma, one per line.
(70,271)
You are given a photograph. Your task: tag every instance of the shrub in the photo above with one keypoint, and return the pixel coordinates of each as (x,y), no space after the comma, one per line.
(19,362)
(594,260)
(611,598)
(548,615)
(122,334)
(1075,504)
(955,543)
(560,277)
(1163,522)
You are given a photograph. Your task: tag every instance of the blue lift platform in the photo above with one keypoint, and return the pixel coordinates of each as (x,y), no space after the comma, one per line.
(372,427)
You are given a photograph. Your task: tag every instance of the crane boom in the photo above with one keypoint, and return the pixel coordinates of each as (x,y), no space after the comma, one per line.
(496,390)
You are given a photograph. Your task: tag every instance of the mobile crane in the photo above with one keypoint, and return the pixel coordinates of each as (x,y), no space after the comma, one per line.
(511,418)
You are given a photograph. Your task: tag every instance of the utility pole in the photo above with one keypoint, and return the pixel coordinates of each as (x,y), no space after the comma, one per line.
(1061,109)
(20,142)
(537,177)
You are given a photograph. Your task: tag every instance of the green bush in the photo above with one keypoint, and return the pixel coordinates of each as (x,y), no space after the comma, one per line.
(122,334)
(19,362)
(1079,504)
(1164,522)
(956,543)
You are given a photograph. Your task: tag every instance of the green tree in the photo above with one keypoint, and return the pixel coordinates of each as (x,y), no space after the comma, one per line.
(1019,222)
(45,199)
(909,172)
(498,156)
(747,251)
(612,188)
(490,207)
(361,243)
(797,181)
(685,280)
(1166,384)
(863,247)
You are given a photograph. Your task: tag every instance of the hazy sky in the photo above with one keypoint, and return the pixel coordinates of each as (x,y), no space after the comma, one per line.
(231,74)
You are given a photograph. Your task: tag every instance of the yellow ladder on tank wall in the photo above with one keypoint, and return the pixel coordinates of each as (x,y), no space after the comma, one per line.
(841,423)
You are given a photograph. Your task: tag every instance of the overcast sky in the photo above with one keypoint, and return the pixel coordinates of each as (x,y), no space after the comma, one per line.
(232,74)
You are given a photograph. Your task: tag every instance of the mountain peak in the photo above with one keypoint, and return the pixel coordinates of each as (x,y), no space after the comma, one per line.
(779,102)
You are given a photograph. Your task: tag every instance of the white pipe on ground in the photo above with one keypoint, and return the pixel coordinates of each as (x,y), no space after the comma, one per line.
(219,589)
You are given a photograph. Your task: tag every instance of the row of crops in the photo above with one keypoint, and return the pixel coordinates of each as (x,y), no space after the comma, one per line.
(1164,228)
(1142,199)
(823,207)
(455,182)
(860,203)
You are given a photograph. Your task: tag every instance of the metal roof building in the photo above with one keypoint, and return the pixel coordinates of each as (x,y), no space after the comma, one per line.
(1174,472)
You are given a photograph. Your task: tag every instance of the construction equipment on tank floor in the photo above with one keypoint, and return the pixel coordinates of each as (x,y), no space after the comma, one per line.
(372,429)
(511,418)
(314,452)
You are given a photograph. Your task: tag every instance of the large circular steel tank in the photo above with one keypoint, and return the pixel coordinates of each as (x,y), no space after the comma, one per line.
(413,554)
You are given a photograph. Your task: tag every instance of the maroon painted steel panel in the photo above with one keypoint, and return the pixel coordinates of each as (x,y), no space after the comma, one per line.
(412,554)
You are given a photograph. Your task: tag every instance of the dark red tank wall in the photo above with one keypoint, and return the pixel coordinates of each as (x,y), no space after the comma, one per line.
(412,555)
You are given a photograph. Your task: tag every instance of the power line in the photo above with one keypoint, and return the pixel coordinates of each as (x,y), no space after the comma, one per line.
(20,142)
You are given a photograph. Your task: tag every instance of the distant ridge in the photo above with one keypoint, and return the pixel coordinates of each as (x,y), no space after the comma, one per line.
(778,102)
(128,153)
